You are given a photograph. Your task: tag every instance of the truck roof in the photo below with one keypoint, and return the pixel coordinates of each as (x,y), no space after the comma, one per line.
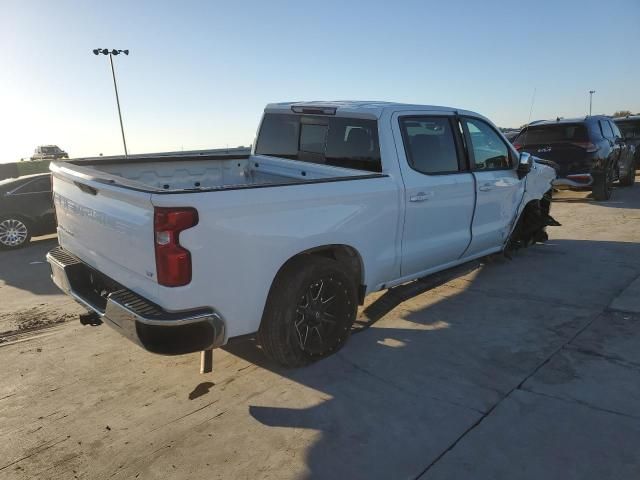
(366,108)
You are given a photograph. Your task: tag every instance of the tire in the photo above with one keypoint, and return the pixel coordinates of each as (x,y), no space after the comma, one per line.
(15,232)
(629,179)
(311,307)
(602,186)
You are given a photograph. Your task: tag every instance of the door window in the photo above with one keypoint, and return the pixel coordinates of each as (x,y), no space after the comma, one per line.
(35,186)
(488,149)
(430,144)
(615,130)
(606,129)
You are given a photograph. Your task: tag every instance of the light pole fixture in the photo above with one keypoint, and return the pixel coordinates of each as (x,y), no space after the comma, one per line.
(591,92)
(111,53)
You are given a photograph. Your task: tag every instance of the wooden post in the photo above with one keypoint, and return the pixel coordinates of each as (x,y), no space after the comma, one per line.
(206,361)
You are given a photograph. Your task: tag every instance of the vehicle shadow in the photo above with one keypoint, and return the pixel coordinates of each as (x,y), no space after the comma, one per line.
(27,268)
(432,359)
(621,197)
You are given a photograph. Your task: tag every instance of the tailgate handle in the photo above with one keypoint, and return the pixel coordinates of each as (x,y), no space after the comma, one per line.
(86,188)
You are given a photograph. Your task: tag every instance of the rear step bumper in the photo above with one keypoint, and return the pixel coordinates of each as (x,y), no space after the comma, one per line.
(145,323)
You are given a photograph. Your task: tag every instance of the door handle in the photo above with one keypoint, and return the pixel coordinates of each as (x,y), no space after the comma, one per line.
(420,197)
(486,187)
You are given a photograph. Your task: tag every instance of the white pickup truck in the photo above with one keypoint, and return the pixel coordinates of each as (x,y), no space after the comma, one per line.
(335,200)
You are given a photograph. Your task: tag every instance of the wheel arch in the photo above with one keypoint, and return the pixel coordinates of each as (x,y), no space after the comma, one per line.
(532,217)
(346,255)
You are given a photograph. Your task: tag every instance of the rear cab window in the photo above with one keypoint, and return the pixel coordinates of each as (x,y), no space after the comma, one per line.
(336,141)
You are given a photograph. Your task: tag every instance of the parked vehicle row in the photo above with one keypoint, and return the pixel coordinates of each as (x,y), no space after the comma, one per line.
(590,152)
(335,201)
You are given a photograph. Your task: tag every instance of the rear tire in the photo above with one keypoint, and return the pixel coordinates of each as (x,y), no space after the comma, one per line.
(602,186)
(15,232)
(309,313)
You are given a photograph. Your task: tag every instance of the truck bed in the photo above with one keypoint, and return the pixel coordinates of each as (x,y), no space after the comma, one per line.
(200,171)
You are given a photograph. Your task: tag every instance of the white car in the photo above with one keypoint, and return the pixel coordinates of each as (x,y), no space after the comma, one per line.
(336,200)
(49,152)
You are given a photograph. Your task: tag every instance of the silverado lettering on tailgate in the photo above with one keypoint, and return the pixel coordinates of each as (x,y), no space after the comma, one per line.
(74,208)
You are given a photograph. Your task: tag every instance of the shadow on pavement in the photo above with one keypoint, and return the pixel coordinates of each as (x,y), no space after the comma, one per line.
(27,268)
(622,197)
(432,364)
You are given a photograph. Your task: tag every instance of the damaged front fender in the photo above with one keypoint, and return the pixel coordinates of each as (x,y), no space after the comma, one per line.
(532,224)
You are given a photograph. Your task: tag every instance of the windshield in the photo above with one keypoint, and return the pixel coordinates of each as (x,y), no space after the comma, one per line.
(49,149)
(629,128)
(566,132)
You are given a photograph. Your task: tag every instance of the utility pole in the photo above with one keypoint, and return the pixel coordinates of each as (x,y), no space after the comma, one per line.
(105,51)
(591,92)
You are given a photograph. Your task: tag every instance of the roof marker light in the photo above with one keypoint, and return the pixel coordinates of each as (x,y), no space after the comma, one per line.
(319,110)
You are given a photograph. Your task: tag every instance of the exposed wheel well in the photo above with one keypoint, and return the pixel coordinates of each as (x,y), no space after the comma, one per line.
(345,254)
(531,224)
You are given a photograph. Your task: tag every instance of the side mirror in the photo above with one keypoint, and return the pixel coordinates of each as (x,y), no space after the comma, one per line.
(525,163)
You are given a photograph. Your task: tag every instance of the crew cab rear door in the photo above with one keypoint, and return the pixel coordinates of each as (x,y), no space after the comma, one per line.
(498,188)
(439,192)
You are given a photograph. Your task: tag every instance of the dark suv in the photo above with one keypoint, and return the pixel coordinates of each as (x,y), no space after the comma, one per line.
(630,128)
(588,151)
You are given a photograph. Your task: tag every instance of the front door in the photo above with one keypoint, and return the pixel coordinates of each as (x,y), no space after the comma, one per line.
(499,190)
(439,192)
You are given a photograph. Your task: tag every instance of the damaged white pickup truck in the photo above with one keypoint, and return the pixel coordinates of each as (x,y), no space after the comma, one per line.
(336,200)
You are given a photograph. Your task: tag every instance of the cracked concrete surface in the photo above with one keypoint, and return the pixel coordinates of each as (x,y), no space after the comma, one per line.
(516,369)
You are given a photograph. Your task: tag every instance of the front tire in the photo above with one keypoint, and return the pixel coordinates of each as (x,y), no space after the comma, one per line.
(309,313)
(629,179)
(602,186)
(15,232)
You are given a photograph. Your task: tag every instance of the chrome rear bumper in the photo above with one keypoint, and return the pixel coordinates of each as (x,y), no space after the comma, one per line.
(145,323)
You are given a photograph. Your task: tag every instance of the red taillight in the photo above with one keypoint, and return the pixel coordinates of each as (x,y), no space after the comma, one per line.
(517,146)
(588,146)
(173,262)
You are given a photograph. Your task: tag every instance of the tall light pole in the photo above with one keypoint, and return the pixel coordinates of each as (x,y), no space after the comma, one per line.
(591,92)
(111,53)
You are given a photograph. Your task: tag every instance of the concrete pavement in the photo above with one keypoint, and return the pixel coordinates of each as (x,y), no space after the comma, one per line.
(516,369)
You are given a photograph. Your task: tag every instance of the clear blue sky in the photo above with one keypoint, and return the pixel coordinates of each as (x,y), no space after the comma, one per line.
(200,73)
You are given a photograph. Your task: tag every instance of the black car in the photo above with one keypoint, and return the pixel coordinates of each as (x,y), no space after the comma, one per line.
(589,152)
(26,209)
(630,129)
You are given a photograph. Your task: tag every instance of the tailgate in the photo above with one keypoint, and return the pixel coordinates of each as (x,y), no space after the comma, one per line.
(570,158)
(108,227)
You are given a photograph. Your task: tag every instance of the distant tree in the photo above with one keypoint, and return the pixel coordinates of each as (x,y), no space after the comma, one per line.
(621,113)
